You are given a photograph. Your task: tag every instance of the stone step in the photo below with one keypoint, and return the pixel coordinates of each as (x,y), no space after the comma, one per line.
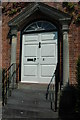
(28,101)
(36,105)
(28,94)
(28,113)
(23,118)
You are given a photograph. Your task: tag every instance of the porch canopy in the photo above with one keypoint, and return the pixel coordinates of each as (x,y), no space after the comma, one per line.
(23,18)
(37,10)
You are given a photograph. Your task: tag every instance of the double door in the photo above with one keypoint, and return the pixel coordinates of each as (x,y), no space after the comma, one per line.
(39,57)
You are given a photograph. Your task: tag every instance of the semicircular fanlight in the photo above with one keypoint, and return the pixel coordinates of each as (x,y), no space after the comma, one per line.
(40,26)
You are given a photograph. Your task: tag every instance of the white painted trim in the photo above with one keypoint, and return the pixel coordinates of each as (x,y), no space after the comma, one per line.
(35,82)
(29,82)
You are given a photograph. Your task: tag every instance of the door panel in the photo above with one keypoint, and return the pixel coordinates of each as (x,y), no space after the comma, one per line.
(30,50)
(48,50)
(48,56)
(30,70)
(46,70)
(31,38)
(49,60)
(47,37)
(30,60)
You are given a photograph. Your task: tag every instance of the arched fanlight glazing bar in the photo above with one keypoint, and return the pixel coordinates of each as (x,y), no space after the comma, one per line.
(40,26)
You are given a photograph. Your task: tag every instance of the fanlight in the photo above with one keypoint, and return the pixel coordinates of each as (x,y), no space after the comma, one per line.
(40,26)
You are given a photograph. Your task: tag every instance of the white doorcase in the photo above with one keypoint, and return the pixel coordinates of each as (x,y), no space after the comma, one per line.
(39,57)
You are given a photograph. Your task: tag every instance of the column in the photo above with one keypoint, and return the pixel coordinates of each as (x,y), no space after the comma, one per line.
(13,54)
(65,55)
(13,45)
(13,49)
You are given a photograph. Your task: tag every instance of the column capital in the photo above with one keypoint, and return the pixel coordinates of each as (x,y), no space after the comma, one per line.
(13,31)
(65,28)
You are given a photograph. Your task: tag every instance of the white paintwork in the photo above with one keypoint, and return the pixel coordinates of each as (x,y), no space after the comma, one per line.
(42,69)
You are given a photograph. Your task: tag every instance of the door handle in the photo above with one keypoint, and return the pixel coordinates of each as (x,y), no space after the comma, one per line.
(39,44)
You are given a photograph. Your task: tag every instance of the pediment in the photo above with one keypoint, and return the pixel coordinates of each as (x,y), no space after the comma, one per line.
(32,8)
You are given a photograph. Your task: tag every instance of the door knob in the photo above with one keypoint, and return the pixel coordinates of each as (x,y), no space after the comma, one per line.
(34,59)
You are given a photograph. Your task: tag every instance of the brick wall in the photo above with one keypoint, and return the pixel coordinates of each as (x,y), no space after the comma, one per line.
(74,50)
(74,44)
(5,47)
(18,48)
(0,45)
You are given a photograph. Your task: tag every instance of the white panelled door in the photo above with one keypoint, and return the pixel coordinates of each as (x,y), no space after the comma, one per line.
(39,57)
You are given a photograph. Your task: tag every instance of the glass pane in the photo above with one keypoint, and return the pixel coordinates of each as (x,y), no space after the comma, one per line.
(39,26)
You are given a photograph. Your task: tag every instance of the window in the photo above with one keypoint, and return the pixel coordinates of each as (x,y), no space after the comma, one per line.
(40,26)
